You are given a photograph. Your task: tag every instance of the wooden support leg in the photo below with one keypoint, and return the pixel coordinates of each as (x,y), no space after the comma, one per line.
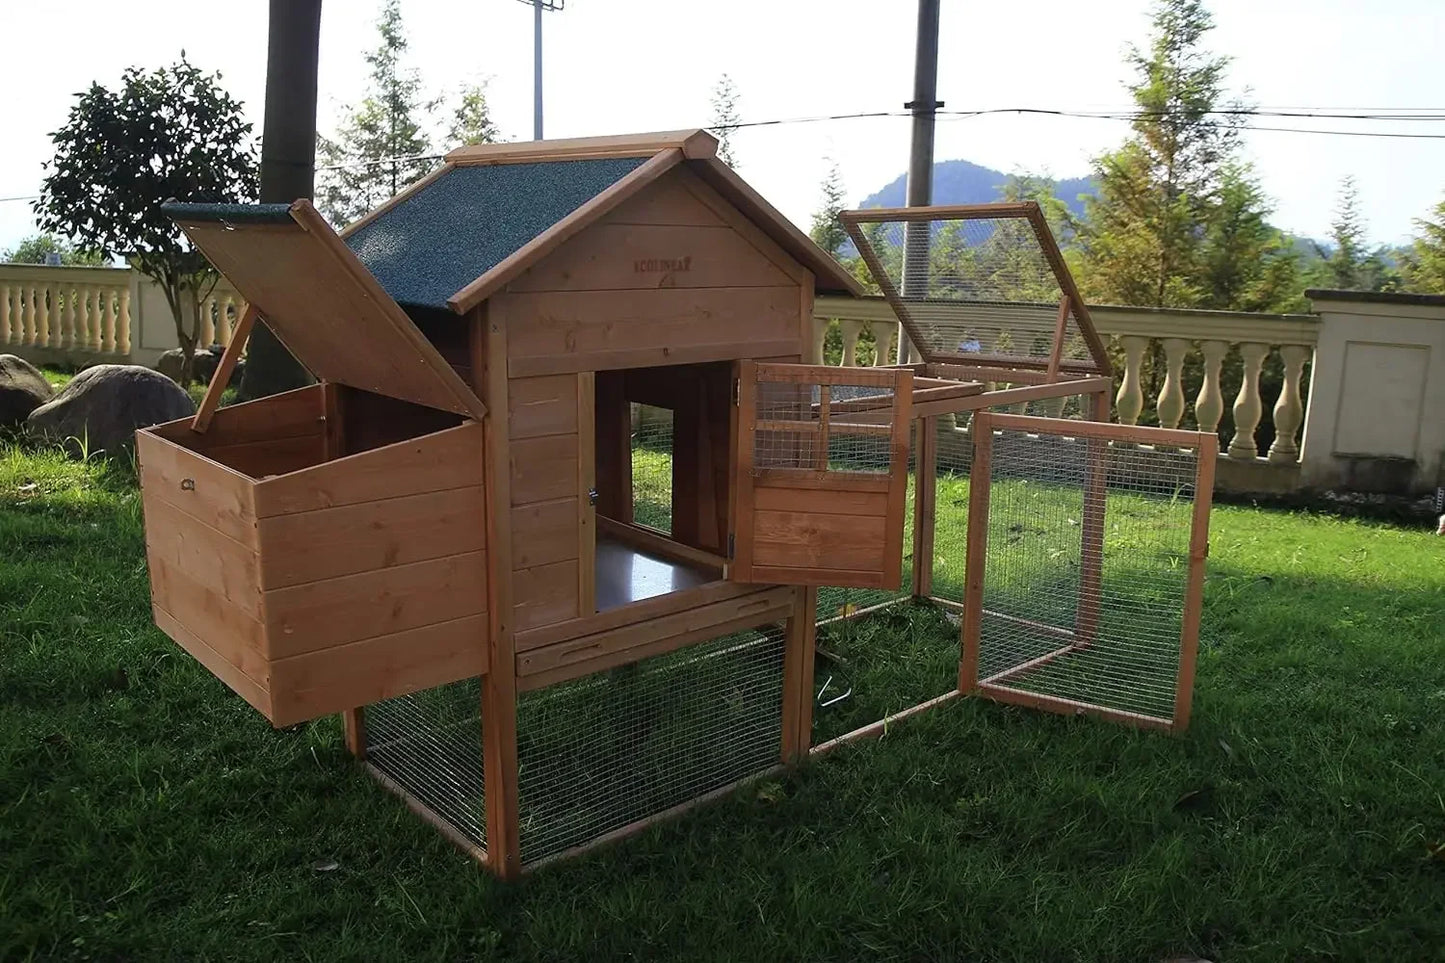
(222,377)
(925,491)
(1194,586)
(970,625)
(353,724)
(1091,548)
(798,655)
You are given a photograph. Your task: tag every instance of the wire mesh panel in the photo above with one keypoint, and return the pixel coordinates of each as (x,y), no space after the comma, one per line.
(1089,550)
(430,744)
(652,451)
(983,282)
(607,750)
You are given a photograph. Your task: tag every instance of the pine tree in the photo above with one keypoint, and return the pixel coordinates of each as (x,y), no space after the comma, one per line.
(1350,264)
(1425,261)
(827,231)
(378,149)
(1247,265)
(725,118)
(472,119)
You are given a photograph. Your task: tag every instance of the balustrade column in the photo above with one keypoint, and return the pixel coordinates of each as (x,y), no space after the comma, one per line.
(29,315)
(1171,393)
(1130,400)
(93,335)
(883,350)
(850,330)
(820,337)
(122,334)
(4,314)
(1289,411)
(1247,407)
(1209,404)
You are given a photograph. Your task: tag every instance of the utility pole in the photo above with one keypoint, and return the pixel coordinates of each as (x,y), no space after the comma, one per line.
(537,7)
(288,164)
(924,106)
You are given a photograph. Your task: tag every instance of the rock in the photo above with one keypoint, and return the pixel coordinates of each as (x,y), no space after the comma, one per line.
(169,364)
(103,406)
(204,367)
(22,389)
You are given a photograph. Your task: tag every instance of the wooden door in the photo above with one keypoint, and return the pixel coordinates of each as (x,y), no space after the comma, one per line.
(821,475)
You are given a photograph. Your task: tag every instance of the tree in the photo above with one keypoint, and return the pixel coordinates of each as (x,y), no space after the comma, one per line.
(1349,263)
(167,133)
(472,119)
(1247,265)
(382,145)
(827,231)
(35,249)
(1425,261)
(1175,212)
(725,118)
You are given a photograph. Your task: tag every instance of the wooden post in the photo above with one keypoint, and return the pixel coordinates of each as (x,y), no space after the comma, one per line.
(1194,586)
(1091,529)
(979,487)
(798,653)
(1056,353)
(925,492)
(488,344)
(229,357)
(333,442)
(613,440)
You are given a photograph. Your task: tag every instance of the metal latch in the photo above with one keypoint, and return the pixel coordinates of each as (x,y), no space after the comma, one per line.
(592,496)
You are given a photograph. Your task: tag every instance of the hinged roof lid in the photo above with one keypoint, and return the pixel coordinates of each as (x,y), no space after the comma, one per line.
(328,310)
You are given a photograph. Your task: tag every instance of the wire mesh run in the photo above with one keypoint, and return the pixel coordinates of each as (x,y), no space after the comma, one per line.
(985,283)
(1086,572)
(834,427)
(430,744)
(652,447)
(605,751)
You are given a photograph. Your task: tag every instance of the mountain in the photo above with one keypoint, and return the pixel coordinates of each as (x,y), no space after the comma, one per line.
(960,182)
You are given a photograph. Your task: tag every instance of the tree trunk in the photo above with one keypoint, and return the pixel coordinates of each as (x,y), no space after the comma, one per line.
(288,165)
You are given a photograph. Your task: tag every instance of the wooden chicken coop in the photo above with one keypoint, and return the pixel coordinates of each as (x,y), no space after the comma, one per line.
(454,539)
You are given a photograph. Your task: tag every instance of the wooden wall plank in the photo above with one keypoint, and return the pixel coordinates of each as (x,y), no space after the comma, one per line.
(232,677)
(286,415)
(341,677)
(445,460)
(545,594)
(776,498)
(319,615)
(544,532)
(332,542)
(233,634)
(813,540)
(586,485)
(208,557)
(621,257)
(666,201)
(216,496)
(262,459)
(543,469)
(542,406)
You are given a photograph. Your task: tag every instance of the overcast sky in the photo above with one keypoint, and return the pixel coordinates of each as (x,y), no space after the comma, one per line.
(616,66)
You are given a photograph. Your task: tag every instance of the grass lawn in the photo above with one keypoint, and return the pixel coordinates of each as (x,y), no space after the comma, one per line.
(147,813)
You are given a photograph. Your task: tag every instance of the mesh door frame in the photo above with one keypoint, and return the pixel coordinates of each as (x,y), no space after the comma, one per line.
(1206,447)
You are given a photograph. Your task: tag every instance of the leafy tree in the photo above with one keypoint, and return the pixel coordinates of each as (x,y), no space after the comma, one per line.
(472,119)
(1247,265)
(827,231)
(1425,261)
(35,249)
(382,145)
(1349,263)
(166,133)
(725,118)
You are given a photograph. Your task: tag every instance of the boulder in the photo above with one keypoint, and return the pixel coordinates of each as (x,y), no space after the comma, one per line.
(103,406)
(22,389)
(206,362)
(169,364)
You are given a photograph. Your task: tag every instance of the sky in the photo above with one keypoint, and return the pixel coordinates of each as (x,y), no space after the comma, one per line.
(620,66)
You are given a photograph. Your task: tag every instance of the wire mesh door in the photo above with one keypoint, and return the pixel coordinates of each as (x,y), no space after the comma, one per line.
(822,475)
(1085,566)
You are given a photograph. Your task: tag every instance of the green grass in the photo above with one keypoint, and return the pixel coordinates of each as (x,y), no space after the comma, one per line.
(147,813)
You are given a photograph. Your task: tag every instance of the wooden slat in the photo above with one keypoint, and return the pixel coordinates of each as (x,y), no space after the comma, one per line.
(655,543)
(213,494)
(544,532)
(693,142)
(1091,429)
(232,677)
(221,377)
(853,504)
(1056,353)
(640,611)
(543,406)
(586,484)
(976,552)
(743,217)
(925,492)
(266,459)
(338,611)
(870,578)
(343,677)
(1010,396)
(545,594)
(620,257)
(886,724)
(744,421)
(332,542)
(1017,362)
(286,415)
(605,650)
(810,374)
(666,201)
(829,481)
(1194,584)
(207,556)
(233,634)
(817,540)
(593,331)
(513,265)
(1069,707)
(445,460)
(544,469)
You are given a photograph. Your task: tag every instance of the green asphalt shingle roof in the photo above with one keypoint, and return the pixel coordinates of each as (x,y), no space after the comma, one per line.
(444,236)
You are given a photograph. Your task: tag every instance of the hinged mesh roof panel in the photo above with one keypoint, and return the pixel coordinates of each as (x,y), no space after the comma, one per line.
(983,283)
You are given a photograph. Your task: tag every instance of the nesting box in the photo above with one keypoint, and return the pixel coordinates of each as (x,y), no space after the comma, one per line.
(468,528)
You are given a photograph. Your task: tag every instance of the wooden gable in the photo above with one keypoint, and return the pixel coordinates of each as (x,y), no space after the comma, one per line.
(675,274)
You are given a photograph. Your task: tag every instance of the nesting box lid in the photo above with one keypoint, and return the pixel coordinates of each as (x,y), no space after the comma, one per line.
(321,302)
